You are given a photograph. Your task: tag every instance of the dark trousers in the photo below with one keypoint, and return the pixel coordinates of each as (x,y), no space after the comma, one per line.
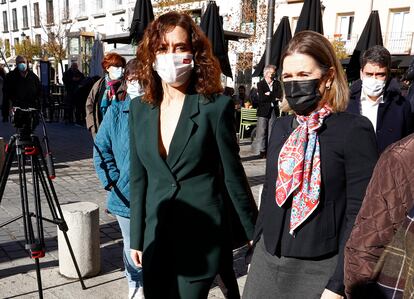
(228,277)
(175,287)
(263,128)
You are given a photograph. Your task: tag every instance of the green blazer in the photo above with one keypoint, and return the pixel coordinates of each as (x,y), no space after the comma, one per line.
(177,204)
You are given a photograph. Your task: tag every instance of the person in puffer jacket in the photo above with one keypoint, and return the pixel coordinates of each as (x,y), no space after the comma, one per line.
(111,159)
(388,200)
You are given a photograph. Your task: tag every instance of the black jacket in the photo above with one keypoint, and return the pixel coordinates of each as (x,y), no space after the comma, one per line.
(395,119)
(72,79)
(348,156)
(23,92)
(265,108)
(410,76)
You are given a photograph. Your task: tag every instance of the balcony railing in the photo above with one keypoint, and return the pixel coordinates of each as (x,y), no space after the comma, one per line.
(398,43)
(349,41)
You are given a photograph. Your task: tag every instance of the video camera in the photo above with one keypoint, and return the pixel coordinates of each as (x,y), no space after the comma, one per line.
(25,119)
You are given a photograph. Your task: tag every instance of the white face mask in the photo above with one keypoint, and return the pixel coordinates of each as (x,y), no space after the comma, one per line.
(134,89)
(174,69)
(373,87)
(115,72)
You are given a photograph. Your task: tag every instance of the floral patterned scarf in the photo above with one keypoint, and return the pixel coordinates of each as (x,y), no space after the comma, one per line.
(300,168)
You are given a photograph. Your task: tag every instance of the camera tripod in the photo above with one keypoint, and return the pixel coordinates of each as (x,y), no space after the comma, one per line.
(27,149)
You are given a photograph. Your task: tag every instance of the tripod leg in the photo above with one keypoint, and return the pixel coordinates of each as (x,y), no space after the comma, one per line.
(5,171)
(39,278)
(27,221)
(38,204)
(54,205)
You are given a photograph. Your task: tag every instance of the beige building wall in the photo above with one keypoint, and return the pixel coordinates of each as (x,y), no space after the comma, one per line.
(396,17)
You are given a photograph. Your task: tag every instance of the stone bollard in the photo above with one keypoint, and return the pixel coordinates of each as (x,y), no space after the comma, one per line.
(2,153)
(82,219)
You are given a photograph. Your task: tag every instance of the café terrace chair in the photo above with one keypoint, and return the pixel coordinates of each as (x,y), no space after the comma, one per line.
(247,118)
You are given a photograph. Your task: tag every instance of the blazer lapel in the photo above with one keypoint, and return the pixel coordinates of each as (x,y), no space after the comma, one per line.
(185,128)
(152,139)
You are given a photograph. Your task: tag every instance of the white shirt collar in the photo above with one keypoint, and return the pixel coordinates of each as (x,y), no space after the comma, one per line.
(364,97)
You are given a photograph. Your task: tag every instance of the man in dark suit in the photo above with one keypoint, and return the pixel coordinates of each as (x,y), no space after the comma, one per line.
(378,97)
(270,93)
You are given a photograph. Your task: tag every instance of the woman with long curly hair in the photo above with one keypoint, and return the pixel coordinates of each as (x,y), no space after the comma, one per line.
(183,147)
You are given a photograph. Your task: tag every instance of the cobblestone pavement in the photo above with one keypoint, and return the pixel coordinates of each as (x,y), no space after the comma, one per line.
(76,181)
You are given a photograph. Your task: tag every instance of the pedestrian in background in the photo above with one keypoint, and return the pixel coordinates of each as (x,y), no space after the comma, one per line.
(241,97)
(72,79)
(389,198)
(409,76)
(81,96)
(4,105)
(319,162)
(270,93)
(111,159)
(254,96)
(182,139)
(378,97)
(110,87)
(22,86)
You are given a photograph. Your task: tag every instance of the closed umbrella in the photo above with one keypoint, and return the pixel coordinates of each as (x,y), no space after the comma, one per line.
(370,36)
(212,25)
(143,15)
(95,68)
(310,17)
(279,42)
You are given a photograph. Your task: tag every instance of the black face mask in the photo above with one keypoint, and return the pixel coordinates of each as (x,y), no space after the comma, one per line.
(302,95)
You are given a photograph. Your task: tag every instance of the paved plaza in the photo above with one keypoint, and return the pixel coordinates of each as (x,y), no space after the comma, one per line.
(76,181)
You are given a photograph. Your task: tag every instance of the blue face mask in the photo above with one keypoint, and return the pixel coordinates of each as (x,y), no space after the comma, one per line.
(115,72)
(22,67)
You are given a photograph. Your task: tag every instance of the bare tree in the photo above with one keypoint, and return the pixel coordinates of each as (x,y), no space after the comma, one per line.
(55,45)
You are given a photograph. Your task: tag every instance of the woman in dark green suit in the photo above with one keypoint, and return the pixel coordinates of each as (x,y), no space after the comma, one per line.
(183,148)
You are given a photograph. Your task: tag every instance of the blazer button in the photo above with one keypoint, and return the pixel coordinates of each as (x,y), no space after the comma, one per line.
(173,185)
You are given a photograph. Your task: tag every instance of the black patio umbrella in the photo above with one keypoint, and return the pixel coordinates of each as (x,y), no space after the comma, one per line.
(370,36)
(310,17)
(212,25)
(279,42)
(143,15)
